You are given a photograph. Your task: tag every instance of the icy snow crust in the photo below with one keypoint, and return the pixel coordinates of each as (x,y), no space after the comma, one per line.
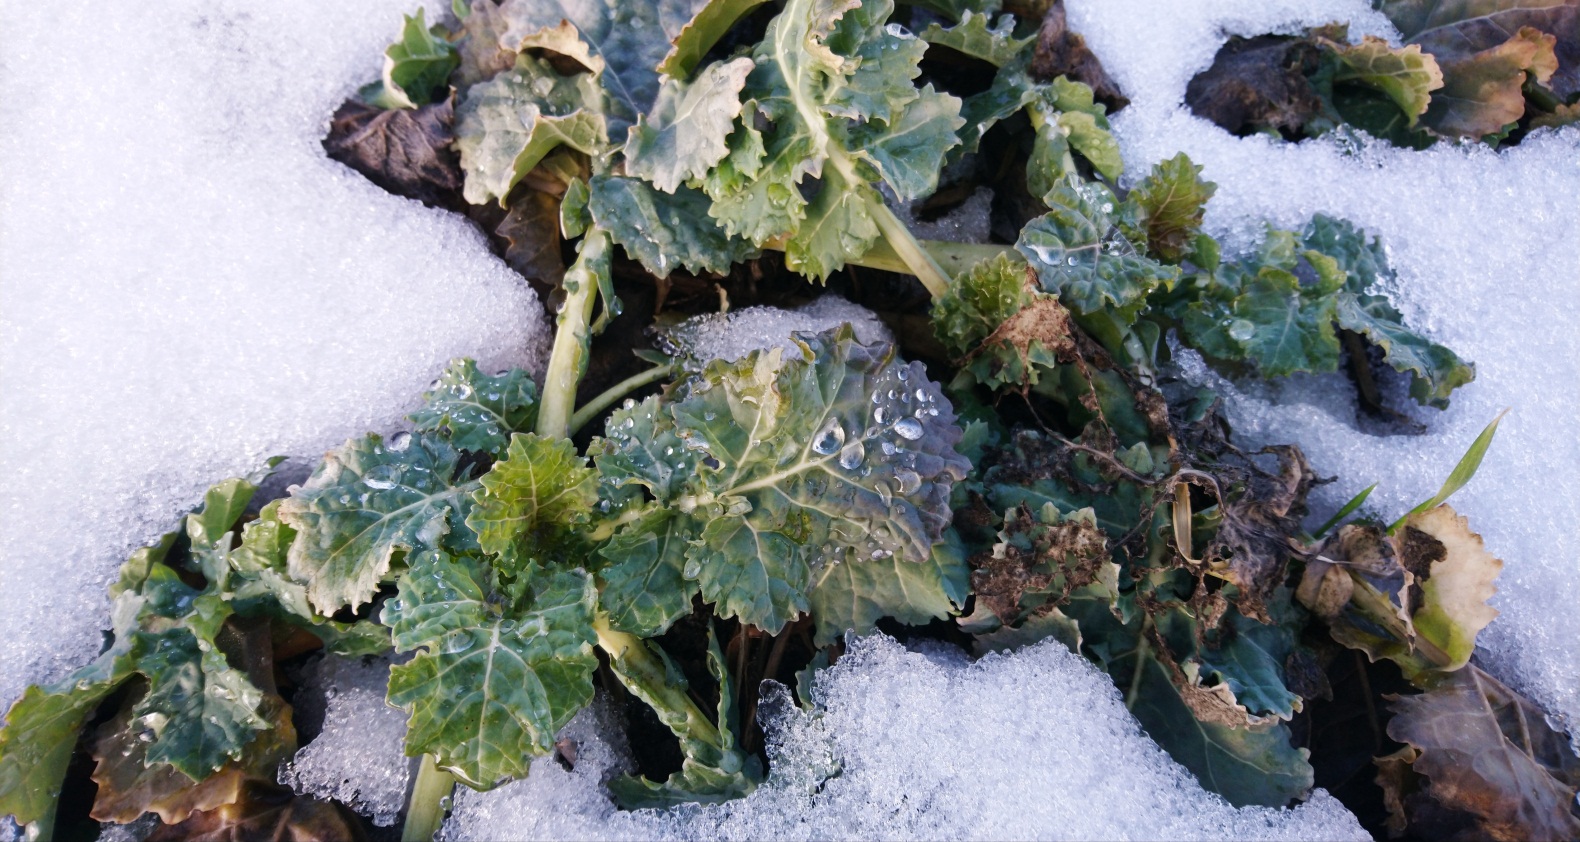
(188,285)
(926,746)
(358,757)
(1485,247)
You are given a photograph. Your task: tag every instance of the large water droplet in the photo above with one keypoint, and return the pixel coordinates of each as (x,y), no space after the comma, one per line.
(692,570)
(907,481)
(382,477)
(852,455)
(399,442)
(1241,330)
(908,428)
(829,438)
(457,641)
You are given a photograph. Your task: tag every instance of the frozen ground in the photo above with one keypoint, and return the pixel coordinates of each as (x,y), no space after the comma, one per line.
(187,285)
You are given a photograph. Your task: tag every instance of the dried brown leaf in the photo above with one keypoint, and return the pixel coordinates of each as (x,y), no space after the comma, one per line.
(1256,84)
(532,229)
(405,151)
(1483,92)
(1060,52)
(267,812)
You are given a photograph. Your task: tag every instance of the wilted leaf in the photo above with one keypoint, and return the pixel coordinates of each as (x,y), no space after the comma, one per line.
(1406,75)
(1000,326)
(1256,84)
(1483,92)
(366,500)
(404,151)
(1456,576)
(1453,30)
(266,811)
(492,685)
(476,411)
(1488,752)
(532,229)
(505,126)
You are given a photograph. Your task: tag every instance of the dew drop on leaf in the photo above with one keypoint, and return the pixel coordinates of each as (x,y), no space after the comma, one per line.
(829,438)
(909,429)
(400,441)
(852,455)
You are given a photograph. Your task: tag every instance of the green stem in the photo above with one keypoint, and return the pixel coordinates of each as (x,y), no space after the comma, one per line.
(646,676)
(917,259)
(593,408)
(951,258)
(426,808)
(573,332)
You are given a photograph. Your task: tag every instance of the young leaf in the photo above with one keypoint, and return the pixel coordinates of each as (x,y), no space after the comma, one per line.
(505,126)
(683,136)
(490,688)
(843,453)
(664,231)
(1487,752)
(366,500)
(645,589)
(1463,471)
(478,412)
(1171,199)
(535,505)
(417,65)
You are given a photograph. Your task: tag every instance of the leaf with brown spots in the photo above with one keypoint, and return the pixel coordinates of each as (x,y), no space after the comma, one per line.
(1041,557)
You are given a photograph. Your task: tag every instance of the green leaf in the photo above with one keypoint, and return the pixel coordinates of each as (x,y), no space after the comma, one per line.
(490,687)
(684,135)
(853,595)
(973,36)
(1435,370)
(644,587)
(202,711)
(640,448)
(417,65)
(701,32)
(366,500)
(1404,74)
(1463,471)
(1080,254)
(997,322)
(36,745)
(1171,199)
(834,454)
(1290,331)
(832,97)
(478,412)
(535,505)
(664,231)
(505,126)
(1089,135)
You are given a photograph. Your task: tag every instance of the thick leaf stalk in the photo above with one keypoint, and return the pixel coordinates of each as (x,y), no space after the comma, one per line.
(568,359)
(426,807)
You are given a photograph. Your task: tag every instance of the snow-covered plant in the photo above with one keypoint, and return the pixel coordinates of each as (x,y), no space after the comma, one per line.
(1041,474)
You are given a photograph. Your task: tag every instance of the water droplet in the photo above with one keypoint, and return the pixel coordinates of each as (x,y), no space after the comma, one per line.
(1070,260)
(904,374)
(400,441)
(628,404)
(852,455)
(146,735)
(382,477)
(829,438)
(1241,330)
(692,570)
(628,423)
(907,481)
(880,415)
(908,428)
(457,641)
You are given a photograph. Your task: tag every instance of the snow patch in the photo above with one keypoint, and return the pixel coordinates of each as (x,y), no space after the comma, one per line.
(191,286)
(358,757)
(730,336)
(908,745)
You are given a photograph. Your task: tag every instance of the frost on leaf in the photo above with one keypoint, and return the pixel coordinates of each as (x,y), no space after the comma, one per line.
(366,500)
(476,411)
(494,681)
(1479,761)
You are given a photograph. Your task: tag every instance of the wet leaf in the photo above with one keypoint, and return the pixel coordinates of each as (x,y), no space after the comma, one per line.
(267,812)
(851,596)
(476,411)
(417,65)
(534,508)
(682,138)
(532,229)
(1172,199)
(664,231)
(976,37)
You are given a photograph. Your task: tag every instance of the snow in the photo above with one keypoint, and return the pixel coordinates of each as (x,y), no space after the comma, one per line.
(358,757)
(730,336)
(1484,244)
(188,285)
(1033,745)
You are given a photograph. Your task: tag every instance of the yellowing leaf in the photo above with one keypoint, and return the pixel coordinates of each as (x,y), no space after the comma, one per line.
(1456,575)
(1405,74)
